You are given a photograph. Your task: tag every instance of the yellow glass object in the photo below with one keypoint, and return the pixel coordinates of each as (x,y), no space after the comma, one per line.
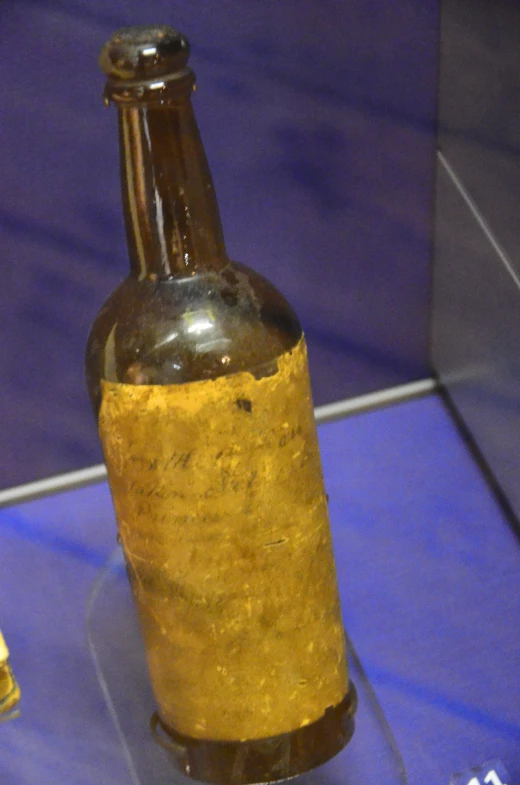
(9,689)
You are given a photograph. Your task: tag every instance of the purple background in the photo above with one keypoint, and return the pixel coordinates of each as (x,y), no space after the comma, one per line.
(317,116)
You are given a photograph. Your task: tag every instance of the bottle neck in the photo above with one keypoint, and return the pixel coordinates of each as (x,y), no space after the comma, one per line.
(171,214)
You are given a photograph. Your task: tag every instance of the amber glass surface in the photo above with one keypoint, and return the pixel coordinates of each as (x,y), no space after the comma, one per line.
(197,372)
(185,312)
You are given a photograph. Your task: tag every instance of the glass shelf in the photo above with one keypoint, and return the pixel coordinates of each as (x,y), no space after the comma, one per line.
(115,645)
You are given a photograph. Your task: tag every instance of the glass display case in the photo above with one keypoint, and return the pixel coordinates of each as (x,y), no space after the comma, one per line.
(321,122)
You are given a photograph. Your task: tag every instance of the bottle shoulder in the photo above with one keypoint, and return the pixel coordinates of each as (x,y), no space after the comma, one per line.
(176,330)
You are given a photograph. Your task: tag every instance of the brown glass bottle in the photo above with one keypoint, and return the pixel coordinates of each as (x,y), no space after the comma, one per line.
(197,372)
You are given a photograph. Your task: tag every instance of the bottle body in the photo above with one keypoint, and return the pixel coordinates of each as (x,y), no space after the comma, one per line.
(197,373)
(222,516)
(218,492)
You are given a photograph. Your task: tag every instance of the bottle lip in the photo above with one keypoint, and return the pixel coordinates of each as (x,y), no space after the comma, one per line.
(146,64)
(160,91)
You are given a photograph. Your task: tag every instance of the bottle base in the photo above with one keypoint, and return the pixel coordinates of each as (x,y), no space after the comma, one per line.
(261,760)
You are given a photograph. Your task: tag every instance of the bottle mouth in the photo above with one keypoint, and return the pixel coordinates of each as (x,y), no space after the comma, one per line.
(146,64)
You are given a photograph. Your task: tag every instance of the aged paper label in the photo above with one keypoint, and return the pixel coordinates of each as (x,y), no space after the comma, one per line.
(221,511)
